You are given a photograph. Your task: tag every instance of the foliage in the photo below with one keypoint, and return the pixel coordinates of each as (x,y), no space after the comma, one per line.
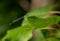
(32,21)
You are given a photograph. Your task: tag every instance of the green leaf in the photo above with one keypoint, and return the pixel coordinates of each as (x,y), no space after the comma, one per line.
(23,33)
(40,12)
(39,36)
(41,22)
(25,22)
(52,39)
(57,34)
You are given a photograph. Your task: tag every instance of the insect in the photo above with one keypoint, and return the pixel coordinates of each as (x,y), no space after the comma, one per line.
(11,10)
